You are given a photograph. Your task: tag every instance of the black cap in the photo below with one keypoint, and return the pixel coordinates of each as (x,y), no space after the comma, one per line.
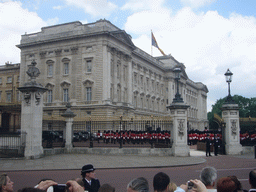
(87,168)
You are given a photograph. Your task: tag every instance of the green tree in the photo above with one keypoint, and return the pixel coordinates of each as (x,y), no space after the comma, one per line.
(247,108)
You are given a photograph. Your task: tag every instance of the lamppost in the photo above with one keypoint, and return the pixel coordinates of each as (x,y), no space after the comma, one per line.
(229,75)
(91,141)
(177,98)
(121,136)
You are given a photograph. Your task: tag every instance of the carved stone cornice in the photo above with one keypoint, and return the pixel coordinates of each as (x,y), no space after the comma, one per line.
(58,51)
(120,54)
(74,50)
(127,58)
(42,54)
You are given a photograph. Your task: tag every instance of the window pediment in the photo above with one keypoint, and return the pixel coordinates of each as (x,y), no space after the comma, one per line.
(50,85)
(65,60)
(88,82)
(135,92)
(49,62)
(65,83)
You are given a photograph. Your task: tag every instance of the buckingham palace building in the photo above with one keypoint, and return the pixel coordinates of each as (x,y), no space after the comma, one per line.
(97,68)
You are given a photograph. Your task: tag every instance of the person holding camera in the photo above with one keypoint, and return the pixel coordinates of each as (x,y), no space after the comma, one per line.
(6,185)
(91,184)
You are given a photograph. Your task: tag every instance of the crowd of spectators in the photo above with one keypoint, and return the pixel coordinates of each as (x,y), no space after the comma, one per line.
(207,182)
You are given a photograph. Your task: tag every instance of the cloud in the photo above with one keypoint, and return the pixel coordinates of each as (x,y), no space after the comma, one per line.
(58,7)
(142,5)
(53,21)
(196,3)
(207,43)
(15,21)
(143,22)
(96,8)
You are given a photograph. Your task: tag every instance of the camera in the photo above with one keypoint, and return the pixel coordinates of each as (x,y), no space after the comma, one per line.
(190,185)
(59,188)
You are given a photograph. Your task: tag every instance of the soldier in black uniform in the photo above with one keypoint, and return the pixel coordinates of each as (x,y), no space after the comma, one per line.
(208,145)
(216,145)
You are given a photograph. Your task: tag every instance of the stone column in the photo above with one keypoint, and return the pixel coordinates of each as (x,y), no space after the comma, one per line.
(106,74)
(130,82)
(68,132)
(32,114)
(230,115)
(179,130)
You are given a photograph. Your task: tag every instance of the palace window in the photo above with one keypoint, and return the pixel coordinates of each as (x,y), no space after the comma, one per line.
(135,78)
(49,96)
(141,81)
(66,68)
(89,66)
(18,95)
(9,79)
(50,70)
(49,126)
(65,95)
(119,93)
(135,100)
(88,93)
(118,69)
(124,74)
(8,97)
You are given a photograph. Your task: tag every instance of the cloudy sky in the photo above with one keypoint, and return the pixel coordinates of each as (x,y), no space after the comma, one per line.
(208,36)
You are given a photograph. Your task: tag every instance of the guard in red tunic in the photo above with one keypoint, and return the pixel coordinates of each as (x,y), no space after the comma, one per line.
(107,137)
(116,136)
(145,135)
(142,137)
(128,137)
(112,136)
(104,137)
(98,136)
(124,133)
(137,134)
(133,137)
(154,137)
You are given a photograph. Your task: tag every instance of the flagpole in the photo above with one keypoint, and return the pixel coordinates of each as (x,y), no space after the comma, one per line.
(151,44)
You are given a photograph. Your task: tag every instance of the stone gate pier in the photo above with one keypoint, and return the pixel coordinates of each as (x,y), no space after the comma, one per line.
(32,113)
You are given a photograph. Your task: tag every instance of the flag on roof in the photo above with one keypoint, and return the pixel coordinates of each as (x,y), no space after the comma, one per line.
(154,43)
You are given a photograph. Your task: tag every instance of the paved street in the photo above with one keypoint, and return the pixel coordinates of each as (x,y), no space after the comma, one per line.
(119,170)
(76,161)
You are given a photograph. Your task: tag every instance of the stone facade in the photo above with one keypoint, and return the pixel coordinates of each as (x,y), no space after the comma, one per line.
(10,104)
(101,72)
